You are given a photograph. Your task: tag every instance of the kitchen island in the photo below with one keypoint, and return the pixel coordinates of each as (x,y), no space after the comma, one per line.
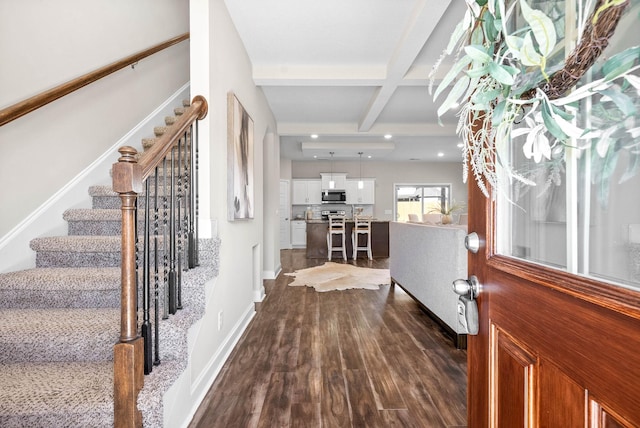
(317,240)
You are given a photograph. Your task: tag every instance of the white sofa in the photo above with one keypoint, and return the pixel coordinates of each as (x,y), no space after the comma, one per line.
(425,260)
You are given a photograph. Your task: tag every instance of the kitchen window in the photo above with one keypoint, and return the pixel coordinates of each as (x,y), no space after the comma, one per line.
(420,199)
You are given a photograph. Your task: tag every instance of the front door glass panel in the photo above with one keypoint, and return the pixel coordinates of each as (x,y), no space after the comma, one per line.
(583,214)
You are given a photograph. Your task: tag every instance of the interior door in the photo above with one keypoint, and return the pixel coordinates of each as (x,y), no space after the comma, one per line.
(284,210)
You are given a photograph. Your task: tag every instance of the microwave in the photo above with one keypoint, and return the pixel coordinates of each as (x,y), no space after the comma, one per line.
(334,197)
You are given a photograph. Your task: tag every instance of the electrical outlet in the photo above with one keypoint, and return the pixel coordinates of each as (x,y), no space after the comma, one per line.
(220,320)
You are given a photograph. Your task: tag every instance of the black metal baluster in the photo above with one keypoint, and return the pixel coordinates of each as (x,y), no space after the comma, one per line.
(156,274)
(187,198)
(179,201)
(184,219)
(165,241)
(146,265)
(173,277)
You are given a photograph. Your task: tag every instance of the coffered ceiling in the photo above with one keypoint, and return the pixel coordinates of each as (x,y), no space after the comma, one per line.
(351,72)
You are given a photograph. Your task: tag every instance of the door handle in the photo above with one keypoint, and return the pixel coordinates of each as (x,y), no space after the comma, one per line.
(472,242)
(468,290)
(467,287)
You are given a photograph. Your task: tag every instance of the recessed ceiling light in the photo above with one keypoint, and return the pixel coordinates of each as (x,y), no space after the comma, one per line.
(440,154)
(460,145)
(314,136)
(369,156)
(388,136)
(315,156)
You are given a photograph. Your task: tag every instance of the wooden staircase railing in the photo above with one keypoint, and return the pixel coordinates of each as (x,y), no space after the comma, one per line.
(28,105)
(156,257)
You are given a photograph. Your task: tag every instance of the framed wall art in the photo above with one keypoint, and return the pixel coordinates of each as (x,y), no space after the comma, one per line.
(240,198)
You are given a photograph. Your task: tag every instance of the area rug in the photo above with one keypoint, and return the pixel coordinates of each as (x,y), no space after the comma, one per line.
(337,276)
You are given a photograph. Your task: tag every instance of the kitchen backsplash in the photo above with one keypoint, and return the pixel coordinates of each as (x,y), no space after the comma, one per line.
(298,211)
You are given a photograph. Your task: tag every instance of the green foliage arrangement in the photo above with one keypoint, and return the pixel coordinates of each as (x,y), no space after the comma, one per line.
(507,91)
(447,209)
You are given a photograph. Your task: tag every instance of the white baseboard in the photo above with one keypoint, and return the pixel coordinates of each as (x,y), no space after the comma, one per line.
(259,295)
(47,219)
(270,274)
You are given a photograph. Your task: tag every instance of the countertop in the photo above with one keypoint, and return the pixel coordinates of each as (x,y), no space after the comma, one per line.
(317,238)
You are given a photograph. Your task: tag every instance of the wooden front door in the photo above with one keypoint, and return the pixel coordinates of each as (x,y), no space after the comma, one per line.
(559,268)
(554,349)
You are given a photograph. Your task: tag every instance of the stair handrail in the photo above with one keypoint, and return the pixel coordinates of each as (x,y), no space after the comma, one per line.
(28,105)
(129,174)
(161,148)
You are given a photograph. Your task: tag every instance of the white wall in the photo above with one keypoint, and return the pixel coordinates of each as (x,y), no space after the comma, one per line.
(42,152)
(271,260)
(220,64)
(387,174)
(285,169)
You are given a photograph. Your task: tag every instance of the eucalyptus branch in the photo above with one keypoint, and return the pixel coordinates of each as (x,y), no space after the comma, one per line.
(502,99)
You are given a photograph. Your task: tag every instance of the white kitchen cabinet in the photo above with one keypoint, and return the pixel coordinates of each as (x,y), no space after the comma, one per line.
(364,196)
(339,178)
(306,192)
(299,233)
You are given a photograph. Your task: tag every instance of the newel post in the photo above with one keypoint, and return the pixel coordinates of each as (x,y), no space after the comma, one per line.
(128,353)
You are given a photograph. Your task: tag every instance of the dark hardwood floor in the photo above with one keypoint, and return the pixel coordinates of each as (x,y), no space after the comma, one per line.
(354,358)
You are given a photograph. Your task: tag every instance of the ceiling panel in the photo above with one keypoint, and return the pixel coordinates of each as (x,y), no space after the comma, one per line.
(320,32)
(351,71)
(314,104)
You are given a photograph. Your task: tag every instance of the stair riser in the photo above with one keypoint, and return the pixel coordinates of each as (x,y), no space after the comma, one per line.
(86,259)
(94,419)
(60,299)
(74,259)
(102,228)
(95,228)
(60,348)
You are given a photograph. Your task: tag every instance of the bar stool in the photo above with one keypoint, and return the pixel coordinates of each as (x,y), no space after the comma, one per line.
(361,226)
(337,226)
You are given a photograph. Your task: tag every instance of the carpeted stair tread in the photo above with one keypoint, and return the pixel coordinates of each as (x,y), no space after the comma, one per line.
(61,288)
(77,243)
(56,394)
(39,335)
(56,279)
(92,214)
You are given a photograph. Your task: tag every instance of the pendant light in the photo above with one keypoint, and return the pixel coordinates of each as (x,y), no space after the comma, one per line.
(360,182)
(332,184)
